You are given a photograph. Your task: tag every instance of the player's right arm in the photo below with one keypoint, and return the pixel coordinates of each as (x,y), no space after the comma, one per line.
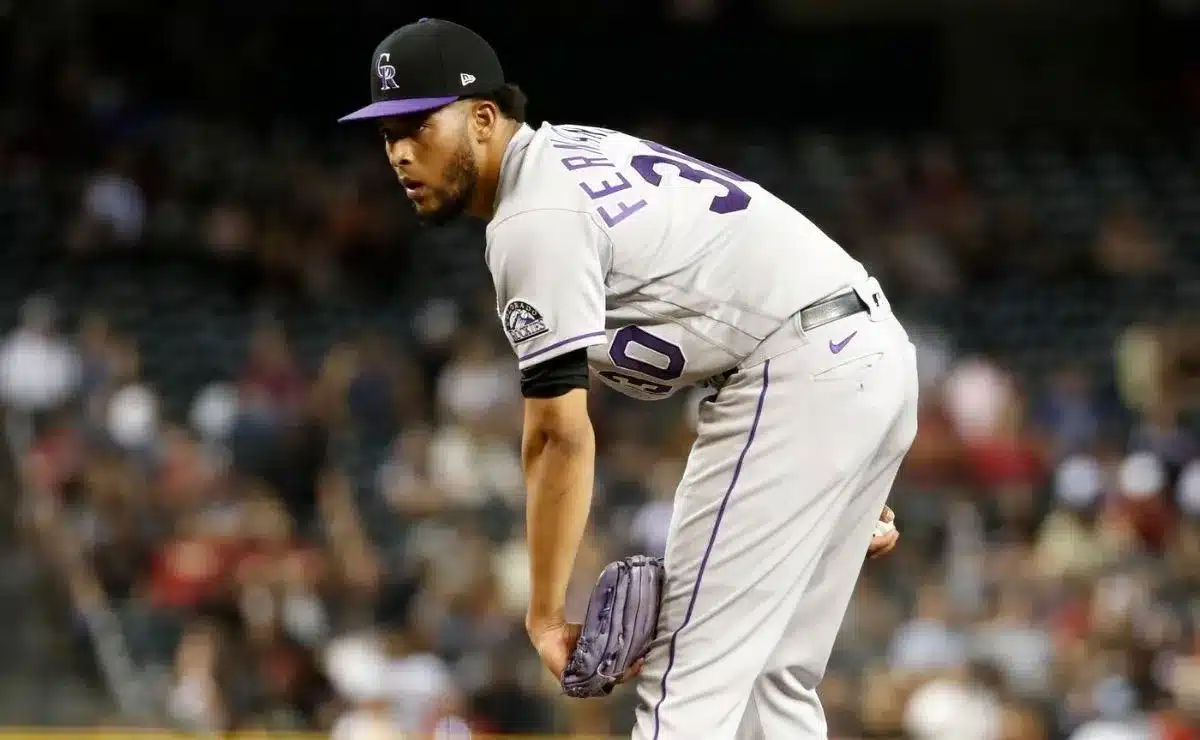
(546,266)
(550,296)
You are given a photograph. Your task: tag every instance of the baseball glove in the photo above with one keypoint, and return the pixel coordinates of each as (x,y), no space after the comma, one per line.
(622,617)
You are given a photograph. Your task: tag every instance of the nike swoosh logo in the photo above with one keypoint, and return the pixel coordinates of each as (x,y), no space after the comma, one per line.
(839,346)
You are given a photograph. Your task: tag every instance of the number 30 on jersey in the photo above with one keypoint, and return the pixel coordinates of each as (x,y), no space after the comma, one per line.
(693,170)
(653,374)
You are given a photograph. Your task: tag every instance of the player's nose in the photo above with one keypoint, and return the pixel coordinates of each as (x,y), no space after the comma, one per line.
(399,153)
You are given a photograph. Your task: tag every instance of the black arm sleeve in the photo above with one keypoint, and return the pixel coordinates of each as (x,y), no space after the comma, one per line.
(556,376)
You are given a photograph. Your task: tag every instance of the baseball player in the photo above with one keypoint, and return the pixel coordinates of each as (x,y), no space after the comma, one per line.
(660,272)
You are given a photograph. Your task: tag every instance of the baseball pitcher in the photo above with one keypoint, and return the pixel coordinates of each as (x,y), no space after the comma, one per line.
(658,272)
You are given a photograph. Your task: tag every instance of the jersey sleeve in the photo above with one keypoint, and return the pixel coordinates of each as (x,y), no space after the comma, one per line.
(546,266)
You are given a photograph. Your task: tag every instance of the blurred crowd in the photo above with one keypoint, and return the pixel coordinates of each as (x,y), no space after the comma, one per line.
(338,544)
(295,212)
(1047,574)
(240,558)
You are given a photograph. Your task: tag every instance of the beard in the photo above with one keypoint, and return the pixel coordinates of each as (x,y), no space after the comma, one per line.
(450,201)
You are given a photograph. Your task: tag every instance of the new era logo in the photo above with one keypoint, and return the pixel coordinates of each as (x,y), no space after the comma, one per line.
(466,78)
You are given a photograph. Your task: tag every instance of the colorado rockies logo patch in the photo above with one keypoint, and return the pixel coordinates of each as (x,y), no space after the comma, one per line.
(522,322)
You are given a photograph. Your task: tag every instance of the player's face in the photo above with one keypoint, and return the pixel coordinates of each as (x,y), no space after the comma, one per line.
(433,158)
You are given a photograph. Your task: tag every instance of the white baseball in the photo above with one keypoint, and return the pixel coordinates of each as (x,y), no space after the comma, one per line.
(882,528)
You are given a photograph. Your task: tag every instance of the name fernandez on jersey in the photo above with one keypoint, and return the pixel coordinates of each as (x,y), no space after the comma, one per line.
(666,270)
(601,188)
(646,165)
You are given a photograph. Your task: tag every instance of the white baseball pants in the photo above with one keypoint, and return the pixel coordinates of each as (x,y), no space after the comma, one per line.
(793,463)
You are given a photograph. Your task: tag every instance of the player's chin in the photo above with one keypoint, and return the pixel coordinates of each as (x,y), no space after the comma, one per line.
(421,199)
(434,210)
(426,205)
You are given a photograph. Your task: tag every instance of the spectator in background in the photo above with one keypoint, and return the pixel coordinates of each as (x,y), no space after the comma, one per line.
(947,206)
(392,691)
(132,418)
(648,533)
(213,413)
(957,706)
(1019,239)
(1126,245)
(39,369)
(121,369)
(471,456)
(1010,465)
(507,700)
(936,460)
(113,210)
(383,391)
(1188,490)
(1068,413)
(977,394)
(196,701)
(421,688)
(884,185)
(271,385)
(1015,643)
(1140,363)
(622,487)
(330,392)
(358,670)
(190,571)
(928,642)
(1141,503)
(1160,432)
(228,230)
(1069,543)
(109,523)
(935,354)
(279,576)
(404,480)
(95,340)
(1182,370)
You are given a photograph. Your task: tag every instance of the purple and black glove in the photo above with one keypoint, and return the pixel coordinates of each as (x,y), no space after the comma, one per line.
(622,617)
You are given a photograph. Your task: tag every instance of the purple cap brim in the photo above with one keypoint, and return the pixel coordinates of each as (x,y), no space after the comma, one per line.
(385,108)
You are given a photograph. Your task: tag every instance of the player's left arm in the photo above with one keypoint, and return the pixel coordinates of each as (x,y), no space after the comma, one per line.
(547,264)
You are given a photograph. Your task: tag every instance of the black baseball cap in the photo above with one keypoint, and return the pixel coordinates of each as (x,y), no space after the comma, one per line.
(426,65)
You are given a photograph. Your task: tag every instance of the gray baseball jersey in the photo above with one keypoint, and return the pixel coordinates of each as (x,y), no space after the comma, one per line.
(669,271)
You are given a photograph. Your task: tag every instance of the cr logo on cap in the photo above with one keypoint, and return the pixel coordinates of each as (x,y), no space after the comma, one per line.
(386,72)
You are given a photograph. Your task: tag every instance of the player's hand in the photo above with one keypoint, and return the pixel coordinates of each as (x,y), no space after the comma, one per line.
(555,640)
(882,544)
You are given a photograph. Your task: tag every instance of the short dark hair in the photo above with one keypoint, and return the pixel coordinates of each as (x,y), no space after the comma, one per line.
(510,99)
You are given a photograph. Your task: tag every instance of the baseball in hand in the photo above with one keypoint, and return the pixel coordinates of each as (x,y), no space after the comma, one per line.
(882,528)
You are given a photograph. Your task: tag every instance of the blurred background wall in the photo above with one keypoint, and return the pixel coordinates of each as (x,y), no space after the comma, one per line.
(249,403)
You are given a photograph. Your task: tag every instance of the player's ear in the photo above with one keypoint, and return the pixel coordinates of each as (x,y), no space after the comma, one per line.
(484,116)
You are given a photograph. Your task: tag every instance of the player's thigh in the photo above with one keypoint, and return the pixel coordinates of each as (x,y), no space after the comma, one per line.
(785,697)
(706,656)
(813,628)
(779,454)
(776,457)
